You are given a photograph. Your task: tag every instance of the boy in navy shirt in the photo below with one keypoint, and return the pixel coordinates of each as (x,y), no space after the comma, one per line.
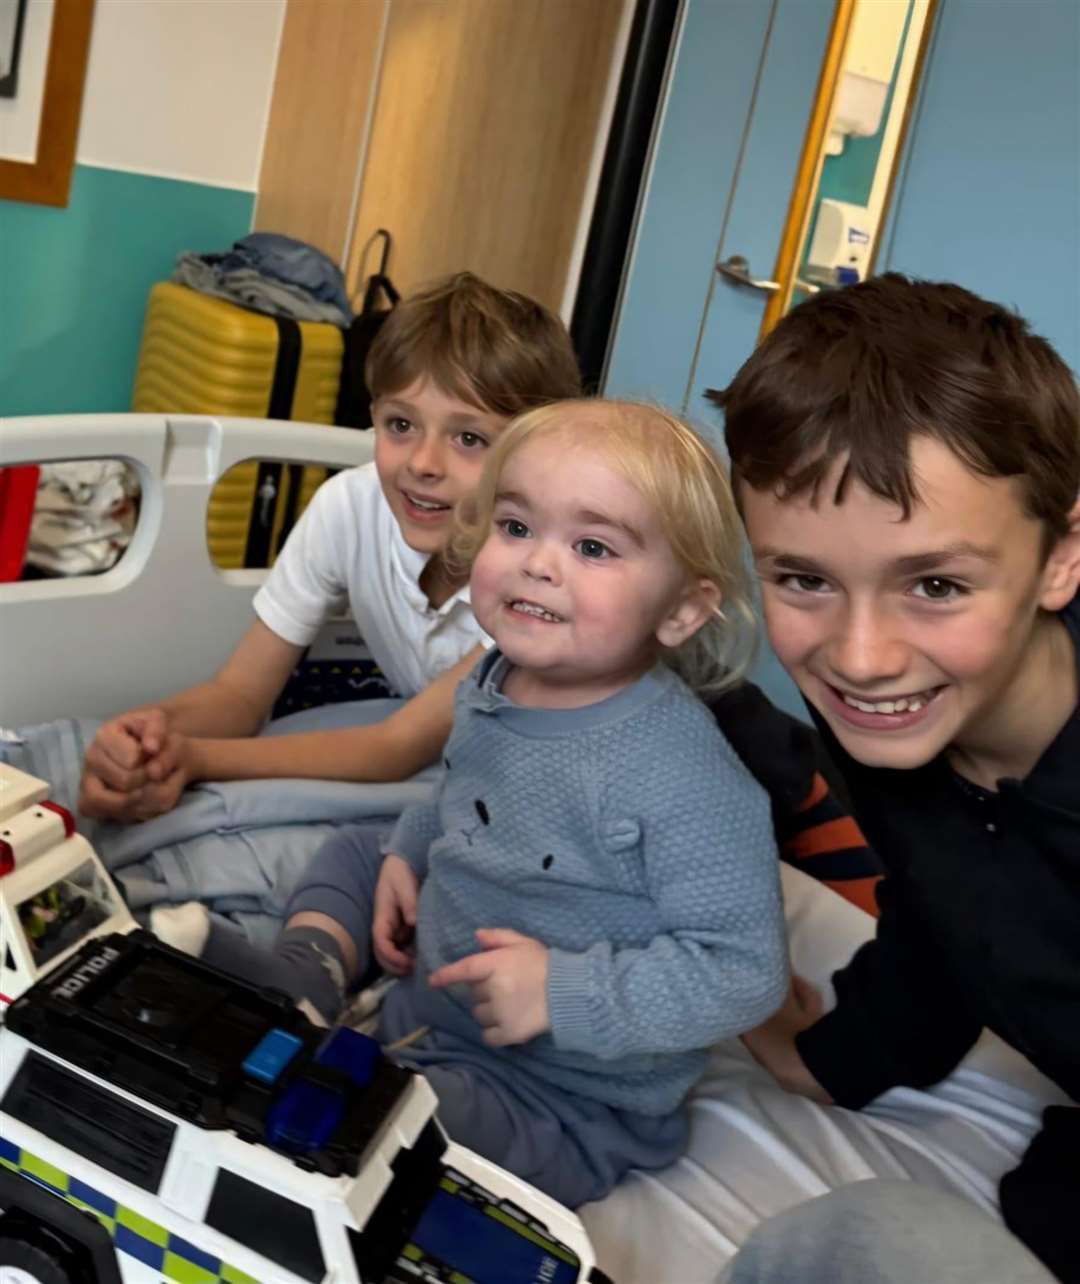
(907,462)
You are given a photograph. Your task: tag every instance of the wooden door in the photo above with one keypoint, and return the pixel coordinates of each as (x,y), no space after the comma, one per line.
(485,128)
(484,132)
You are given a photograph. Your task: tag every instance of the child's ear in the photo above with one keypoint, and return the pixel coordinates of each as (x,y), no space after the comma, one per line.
(1061,575)
(699,602)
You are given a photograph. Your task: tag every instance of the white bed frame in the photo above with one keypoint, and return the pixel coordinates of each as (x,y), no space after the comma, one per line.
(164,617)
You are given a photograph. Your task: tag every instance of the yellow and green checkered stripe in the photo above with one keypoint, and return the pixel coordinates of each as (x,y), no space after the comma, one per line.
(132,1233)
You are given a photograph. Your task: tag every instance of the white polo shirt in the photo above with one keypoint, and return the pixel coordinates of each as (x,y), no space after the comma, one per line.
(347,550)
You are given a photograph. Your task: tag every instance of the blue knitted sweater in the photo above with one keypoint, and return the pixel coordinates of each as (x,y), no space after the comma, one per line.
(628,838)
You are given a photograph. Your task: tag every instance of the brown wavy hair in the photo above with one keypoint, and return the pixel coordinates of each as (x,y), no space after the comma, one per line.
(494,349)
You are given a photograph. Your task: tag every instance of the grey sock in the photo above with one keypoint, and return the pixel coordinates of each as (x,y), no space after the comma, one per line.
(319,965)
(305,963)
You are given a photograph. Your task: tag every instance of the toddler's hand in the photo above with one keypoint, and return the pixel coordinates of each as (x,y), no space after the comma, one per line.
(773,1042)
(394,922)
(509,985)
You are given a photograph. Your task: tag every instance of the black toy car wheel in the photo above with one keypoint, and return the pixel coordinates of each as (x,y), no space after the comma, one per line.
(24,1263)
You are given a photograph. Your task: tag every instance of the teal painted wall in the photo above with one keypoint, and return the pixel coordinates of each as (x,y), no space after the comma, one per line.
(74,281)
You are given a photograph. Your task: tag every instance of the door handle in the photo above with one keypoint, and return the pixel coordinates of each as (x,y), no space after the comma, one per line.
(737,269)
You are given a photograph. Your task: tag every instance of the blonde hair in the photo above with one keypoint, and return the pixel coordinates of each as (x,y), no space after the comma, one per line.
(494,349)
(686,484)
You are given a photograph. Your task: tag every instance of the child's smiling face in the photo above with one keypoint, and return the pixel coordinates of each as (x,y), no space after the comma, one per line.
(913,636)
(577,583)
(430,449)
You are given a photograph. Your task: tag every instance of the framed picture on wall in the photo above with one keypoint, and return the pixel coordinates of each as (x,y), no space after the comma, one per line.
(45,110)
(12,19)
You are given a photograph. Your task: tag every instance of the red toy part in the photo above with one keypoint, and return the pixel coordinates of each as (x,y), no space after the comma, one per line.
(18,488)
(63,813)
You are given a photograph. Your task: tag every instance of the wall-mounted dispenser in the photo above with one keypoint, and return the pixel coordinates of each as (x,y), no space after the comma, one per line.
(863,87)
(840,250)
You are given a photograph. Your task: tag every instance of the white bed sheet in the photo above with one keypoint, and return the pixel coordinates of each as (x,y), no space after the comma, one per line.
(756,1150)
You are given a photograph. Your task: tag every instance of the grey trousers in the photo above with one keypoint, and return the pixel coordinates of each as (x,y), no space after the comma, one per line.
(572,1148)
(884,1232)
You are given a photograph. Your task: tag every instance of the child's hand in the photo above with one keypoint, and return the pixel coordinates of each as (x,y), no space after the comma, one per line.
(509,985)
(168,774)
(394,922)
(773,1042)
(118,767)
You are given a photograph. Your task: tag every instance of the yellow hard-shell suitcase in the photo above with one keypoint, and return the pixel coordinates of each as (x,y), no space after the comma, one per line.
(203,355)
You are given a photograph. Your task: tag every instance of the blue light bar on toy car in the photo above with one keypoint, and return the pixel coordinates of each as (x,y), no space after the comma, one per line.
(310,1110)
(352,1052)
(271,1055)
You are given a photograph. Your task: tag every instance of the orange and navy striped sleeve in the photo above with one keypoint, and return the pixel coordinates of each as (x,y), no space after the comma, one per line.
(821,838)
(815,830)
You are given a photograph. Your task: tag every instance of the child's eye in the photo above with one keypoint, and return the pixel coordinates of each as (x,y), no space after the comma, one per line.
(472,440)
(512,527)
(801,583)
(935,588)
(396,424)
(593,548)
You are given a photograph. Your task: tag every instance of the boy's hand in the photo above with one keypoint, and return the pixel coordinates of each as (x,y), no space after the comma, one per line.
(128,754)
(773,1042)
(123,744)
(509,985)
(394,921)
(168,774)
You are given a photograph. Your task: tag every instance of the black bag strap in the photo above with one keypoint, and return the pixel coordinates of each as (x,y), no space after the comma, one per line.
(378,284)
(286,368)
(269,477)
(353,409)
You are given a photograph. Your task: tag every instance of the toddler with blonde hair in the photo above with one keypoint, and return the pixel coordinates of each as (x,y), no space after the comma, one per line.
(591,898)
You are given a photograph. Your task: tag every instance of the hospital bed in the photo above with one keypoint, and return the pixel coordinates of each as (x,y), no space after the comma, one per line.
(165,617)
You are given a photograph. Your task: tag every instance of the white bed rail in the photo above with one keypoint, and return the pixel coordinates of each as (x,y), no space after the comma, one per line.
(164,617)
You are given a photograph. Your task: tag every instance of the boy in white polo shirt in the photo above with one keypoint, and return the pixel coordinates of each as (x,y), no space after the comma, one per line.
(450,367)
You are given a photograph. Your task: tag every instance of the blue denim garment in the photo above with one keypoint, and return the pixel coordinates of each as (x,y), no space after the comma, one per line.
(286,259)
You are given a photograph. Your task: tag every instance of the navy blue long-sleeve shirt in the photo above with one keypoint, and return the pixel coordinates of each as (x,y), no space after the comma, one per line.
(979,926)
(979,923)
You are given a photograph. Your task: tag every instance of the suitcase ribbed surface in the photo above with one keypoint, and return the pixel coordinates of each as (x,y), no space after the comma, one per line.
(202,355)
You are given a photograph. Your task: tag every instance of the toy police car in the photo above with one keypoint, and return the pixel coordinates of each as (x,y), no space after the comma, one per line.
(163,1121)
(54,891)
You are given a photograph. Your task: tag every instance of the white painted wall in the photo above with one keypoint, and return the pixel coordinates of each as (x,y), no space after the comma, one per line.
(181,88)
(21,115)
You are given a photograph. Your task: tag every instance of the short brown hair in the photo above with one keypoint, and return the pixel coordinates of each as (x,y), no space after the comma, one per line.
(494,349)
(856,373)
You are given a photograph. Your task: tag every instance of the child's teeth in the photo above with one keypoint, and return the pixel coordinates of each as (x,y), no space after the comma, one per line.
(528,608)
(906,704)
